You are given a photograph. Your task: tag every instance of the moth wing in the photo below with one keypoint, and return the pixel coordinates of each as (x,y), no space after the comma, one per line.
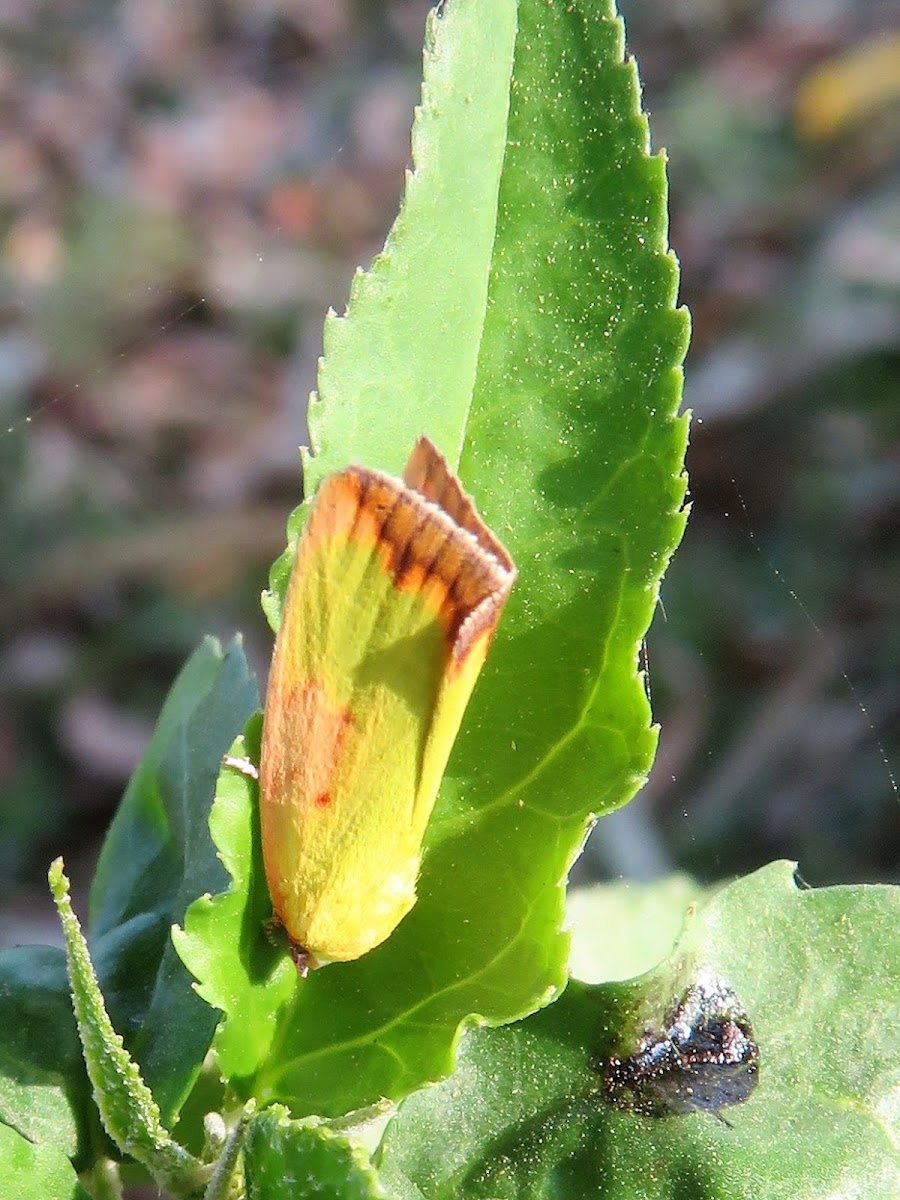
(386,623)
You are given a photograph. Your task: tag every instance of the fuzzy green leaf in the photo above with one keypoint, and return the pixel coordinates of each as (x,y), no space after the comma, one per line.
(819,974)
(127,1108)
(35,1172)
(44,1090)
(290,1160)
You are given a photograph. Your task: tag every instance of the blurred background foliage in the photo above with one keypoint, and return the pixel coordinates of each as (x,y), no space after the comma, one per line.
(184,189)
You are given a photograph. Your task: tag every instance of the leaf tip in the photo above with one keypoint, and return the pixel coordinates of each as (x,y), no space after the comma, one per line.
(59,884)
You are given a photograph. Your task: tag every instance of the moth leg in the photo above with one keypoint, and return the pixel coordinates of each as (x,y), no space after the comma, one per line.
(242,765)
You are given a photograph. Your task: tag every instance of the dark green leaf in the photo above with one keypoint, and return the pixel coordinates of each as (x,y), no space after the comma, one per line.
(44,1090)
(157,858)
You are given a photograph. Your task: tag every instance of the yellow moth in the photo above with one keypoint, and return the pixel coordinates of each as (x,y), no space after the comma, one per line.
(395,593)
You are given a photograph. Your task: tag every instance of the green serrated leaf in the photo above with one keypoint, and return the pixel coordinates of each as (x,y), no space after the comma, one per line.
(402,360)
(418,313)
(156,859)
(223,941)
(573,449)
(574,453)
(819,974)
(291,1160)
(127,1108)
(36,1172)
